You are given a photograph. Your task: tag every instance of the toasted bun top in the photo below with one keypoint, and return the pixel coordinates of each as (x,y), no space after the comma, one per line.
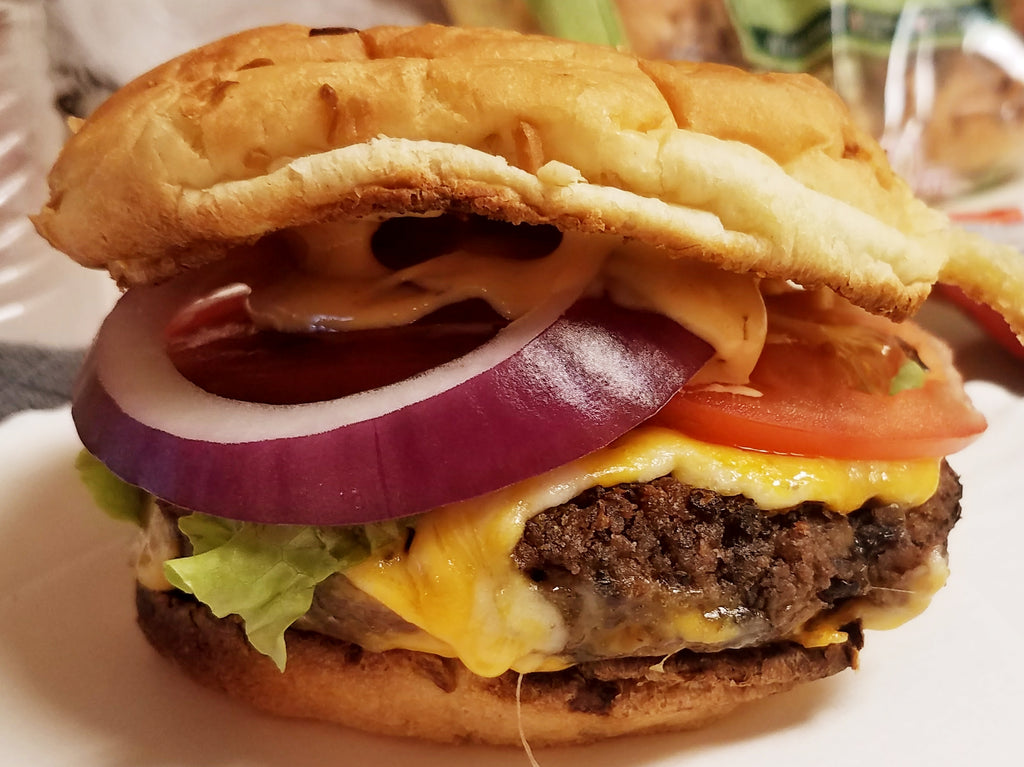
(284,126)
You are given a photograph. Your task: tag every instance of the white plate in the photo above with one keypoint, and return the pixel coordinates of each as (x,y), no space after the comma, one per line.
(79,686)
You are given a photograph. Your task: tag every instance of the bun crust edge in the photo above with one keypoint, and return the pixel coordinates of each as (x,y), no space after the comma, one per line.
(285,126)
(755,173)
(438,699)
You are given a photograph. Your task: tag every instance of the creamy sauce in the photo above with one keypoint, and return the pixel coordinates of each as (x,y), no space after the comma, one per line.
(339,284)
(723,308)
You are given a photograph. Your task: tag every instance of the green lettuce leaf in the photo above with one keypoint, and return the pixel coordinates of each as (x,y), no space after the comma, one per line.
(266,574)
(911,375)
(112,494)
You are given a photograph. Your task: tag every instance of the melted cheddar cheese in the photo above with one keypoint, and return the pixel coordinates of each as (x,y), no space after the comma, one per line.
(459,584)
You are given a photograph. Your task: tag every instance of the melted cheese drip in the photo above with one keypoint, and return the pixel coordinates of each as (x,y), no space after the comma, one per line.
(459,583)
(157,544)
(922,586)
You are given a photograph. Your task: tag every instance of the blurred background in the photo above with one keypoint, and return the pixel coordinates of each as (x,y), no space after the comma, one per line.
(60,59)
(939,82)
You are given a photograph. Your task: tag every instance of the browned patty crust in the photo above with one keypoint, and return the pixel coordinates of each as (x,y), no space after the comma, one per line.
(643,554)
(627,545)
(633,553)
(439,699)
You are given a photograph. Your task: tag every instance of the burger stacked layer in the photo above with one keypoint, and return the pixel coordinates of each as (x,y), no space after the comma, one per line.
(558,392)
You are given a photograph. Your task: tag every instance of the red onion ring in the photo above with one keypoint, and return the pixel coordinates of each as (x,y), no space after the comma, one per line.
(556,384)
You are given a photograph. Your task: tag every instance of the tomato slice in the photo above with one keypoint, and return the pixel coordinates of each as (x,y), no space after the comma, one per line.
(988,318)
(822,388)
(217,347)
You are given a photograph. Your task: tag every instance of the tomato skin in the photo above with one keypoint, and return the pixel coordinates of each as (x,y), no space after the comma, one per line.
(729,419)
(810,403)
(988,318)
(217,347)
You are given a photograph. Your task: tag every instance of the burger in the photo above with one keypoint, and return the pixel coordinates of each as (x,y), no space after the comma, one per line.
(472,385)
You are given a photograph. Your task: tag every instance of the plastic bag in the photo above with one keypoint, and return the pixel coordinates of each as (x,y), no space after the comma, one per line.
(939,82)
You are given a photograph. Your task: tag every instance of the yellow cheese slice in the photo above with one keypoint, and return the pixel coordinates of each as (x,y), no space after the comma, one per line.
(459,584)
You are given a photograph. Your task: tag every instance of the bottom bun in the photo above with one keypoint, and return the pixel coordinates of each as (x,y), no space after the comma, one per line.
(401,692)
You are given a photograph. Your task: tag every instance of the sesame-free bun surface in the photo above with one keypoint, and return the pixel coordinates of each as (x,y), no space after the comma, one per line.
(439,699)
(284,126)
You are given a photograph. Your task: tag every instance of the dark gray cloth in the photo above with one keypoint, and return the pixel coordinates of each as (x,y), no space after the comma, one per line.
(32,377)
